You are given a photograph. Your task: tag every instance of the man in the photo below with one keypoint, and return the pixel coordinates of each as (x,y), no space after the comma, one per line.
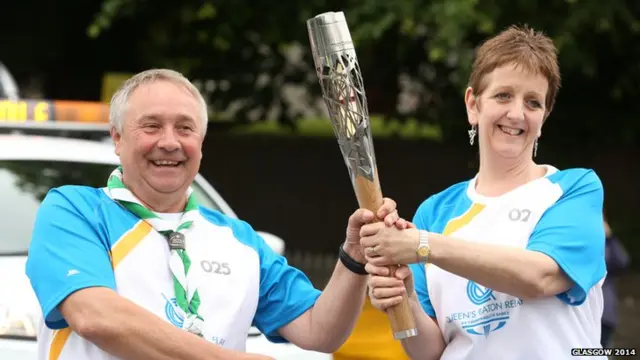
(617,260)
(118,270)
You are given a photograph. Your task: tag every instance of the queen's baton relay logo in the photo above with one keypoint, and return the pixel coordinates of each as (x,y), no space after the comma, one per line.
(171,312)
(490,313)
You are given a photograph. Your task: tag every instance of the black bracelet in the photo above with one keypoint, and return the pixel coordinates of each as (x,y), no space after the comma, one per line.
(350,263)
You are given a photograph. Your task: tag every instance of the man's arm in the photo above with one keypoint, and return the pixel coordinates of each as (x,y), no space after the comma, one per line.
(290,308)
(328,324)
(64,240)
(122,328)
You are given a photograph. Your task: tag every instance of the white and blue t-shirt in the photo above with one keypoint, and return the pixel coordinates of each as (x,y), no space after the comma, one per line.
(83,238)
(559,215)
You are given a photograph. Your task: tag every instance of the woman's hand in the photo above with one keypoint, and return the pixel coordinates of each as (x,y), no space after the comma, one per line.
(387,215)
(389,245)
(387,291)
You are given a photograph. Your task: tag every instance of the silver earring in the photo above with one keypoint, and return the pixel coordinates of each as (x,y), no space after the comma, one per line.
(472,134)
(535,148)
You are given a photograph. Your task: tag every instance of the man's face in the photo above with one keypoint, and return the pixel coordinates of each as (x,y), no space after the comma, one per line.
(160,147)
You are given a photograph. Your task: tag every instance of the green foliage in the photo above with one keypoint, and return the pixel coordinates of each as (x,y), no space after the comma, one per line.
(318,127)
(246,46)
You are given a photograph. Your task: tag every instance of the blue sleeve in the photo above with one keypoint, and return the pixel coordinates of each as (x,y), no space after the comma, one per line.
(418,270)
(420,283)
(65,254)
(285,292)
(571,232)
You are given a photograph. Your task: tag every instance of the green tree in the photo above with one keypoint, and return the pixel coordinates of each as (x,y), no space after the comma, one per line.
(246,47)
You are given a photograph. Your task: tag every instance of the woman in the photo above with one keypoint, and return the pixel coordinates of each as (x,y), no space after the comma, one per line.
(509,264)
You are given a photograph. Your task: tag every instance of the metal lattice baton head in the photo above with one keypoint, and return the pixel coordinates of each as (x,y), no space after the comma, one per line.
(343,91)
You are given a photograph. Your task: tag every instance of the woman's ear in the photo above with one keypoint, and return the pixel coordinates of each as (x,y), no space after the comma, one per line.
(472,106)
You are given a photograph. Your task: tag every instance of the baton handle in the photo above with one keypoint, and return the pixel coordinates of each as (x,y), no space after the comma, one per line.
(400,316)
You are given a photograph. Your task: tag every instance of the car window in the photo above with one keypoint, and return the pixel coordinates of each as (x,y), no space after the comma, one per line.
(203,198)
(23,185)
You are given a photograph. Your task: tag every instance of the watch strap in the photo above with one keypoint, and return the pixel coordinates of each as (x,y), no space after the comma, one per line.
(423,244)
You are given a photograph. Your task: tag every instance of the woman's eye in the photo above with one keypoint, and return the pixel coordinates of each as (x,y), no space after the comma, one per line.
(535,104)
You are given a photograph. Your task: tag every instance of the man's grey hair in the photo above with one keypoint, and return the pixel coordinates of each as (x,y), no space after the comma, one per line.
(120,99)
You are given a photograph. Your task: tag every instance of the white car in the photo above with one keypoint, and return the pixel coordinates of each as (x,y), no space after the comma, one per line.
(31,165)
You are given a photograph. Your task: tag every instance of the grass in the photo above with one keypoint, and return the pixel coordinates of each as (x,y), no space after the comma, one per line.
(318,127)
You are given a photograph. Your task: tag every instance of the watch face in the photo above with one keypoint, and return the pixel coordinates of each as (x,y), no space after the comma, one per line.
(423,251)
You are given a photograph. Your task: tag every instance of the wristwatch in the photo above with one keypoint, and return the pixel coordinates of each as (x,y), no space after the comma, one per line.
(423,250)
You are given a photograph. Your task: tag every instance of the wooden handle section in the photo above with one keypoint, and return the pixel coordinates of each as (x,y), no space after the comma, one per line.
(369,195)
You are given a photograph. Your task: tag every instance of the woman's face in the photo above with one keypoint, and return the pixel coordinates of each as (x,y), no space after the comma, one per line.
(509,113)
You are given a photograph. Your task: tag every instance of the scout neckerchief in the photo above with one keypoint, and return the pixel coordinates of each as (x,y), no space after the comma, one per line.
(187,296)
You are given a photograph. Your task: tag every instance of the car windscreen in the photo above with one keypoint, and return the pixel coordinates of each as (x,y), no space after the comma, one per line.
(25,183)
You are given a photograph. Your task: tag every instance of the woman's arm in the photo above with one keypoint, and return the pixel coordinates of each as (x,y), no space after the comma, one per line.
(386,291)
(523,273)
(428,344)
(564,255)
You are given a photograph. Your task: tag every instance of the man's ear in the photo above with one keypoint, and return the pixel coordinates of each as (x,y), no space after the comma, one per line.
(115,136)
(472,106)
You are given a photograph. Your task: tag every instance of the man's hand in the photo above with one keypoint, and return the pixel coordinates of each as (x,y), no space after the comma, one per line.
(328,324)
(387,213)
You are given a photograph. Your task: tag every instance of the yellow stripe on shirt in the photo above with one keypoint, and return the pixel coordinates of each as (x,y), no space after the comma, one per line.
(59,339)
(128,242)
(457,223)
(119,251)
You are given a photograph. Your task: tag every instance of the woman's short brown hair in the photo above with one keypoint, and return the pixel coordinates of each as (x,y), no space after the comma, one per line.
(529,49)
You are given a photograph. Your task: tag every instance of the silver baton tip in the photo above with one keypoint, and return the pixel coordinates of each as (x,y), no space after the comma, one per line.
(329,34)
(326,18)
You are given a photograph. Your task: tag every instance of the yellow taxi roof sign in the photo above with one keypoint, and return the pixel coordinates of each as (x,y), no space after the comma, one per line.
(40,111)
